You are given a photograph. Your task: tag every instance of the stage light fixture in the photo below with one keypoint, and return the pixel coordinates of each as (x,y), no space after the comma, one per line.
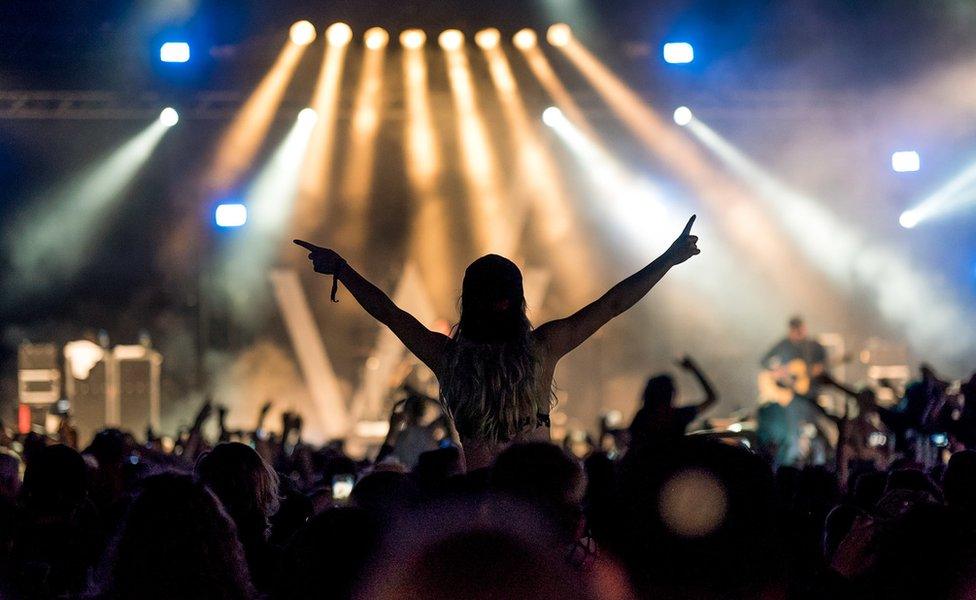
(682,115)
(229,215)
(451,39)
(559,35)
(488,38)
(302,33)
(525,39)
(169,116)
(905,161)
(678,53)
(552,116)
(174,52)
(412,39)
(338,34)
(307,116)
(908,219)
(376,38)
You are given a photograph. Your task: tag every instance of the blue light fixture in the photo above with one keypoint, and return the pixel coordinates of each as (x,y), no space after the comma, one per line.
(174,52)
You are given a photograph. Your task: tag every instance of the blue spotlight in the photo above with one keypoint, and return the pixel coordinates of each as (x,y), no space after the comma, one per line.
(174,52)
(905,161)
(231,214)
(678,53)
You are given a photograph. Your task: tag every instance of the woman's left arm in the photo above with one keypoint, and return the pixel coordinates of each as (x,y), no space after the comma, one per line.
(563,335)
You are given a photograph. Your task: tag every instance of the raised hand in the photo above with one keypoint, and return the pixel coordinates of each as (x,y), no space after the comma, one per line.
(686,362)
(685,246)
(324,260)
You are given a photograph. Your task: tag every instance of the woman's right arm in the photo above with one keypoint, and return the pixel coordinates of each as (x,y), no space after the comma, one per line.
(426,345)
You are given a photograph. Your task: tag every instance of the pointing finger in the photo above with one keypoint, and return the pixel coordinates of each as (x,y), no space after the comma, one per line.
(307,245)
(691,222)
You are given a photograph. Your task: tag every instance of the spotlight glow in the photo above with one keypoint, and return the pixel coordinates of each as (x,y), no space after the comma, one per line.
(908,219)
(302,33)
(240,142)
(169,116)
(338,34)
(376,38)
(682,115)
(307,116)
(957,193)
(908,296)
(411,39)
(559,35)
(678,53)
(488,38)
(174,52)
(552,116)
(451,39)
(525,39)
(905,161)
(230,215)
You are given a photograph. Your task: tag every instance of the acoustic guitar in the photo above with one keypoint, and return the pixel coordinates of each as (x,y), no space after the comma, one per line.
(782,384)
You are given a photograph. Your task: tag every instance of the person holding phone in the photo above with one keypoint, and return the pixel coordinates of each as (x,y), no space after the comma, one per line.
(495,372)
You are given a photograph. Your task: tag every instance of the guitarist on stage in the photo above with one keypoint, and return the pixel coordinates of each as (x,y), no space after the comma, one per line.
(796,363)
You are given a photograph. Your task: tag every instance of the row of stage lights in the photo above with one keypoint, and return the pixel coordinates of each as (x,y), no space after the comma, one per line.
(340,34)
(303,33)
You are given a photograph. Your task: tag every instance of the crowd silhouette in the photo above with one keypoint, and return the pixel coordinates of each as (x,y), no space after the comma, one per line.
(476,502)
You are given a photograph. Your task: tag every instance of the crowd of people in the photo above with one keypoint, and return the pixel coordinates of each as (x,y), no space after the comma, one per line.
(263,514)
(469,498)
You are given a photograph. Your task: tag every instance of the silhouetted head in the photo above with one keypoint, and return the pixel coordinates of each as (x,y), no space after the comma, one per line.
(659,391)
(177,541)
(543,475)
(55,480)
(797,329)
(245,484)
(959,482)
(492,301)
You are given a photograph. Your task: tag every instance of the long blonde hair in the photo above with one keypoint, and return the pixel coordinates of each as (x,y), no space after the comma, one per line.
(491,384)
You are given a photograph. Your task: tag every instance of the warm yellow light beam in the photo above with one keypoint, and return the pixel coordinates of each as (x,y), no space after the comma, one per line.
(525,40)
(316,176)
(51,242)
(430,236)
(241,141)
(732,206)
(495,230)
(538,179)
(357,178)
